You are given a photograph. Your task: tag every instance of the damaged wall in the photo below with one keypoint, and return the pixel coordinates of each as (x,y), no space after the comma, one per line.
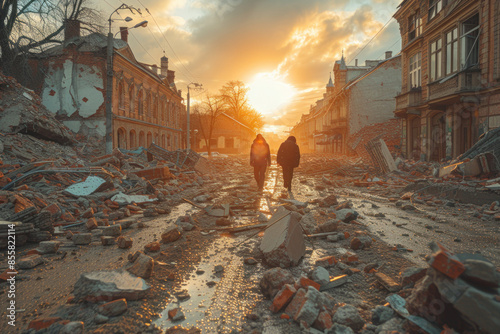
(372,98)
(74,91)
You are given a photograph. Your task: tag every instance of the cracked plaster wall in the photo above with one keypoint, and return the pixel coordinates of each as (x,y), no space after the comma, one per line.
(74,90)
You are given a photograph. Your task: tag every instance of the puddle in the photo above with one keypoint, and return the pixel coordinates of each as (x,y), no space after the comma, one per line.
(218,308)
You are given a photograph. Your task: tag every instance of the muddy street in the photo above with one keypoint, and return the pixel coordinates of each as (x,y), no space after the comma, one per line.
(209,277)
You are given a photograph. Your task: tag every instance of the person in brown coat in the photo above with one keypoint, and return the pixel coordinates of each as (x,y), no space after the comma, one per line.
(260,158)
(288,158)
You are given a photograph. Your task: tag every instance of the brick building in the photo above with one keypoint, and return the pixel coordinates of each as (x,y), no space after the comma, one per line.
(361,96)
(146,105)
(229,135)
(451,75)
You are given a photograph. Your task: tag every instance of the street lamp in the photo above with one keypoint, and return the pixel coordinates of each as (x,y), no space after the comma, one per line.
(197,85)
(109,77)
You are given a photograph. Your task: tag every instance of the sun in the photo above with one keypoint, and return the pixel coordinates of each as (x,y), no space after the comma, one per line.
(268,93)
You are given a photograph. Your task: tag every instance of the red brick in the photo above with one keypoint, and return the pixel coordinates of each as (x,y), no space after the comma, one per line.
(284,316)
(324,321)
(7,274)
(42,323)
(88,213)
(447,263)
(305,282)
(91,224)
(152,247)
(67,216)
(296,303)
(327,261)
(53,209)
(282,298)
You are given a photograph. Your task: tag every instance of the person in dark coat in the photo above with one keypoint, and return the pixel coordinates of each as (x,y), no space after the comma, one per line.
(260,158)
(288,158)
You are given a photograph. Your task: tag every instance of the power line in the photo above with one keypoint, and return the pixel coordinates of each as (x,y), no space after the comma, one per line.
(364,47)
(189,75)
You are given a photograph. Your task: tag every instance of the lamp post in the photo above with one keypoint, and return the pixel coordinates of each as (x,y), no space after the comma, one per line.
(197,85)
(109,76)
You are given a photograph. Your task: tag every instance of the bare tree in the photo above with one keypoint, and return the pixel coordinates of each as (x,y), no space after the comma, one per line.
(206,114)
(234,95)
(27,26)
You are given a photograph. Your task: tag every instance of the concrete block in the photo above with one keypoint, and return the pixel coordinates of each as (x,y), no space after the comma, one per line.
(273,280)
(283,242)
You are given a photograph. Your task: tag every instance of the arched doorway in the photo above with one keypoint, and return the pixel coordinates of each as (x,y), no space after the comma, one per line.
(414,140)
(150,139)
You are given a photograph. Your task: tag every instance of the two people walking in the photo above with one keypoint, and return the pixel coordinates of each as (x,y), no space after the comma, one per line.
(288,158)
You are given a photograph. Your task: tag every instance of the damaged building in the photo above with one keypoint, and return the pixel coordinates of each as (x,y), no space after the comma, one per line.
(147,107)
(451,75)
(359,96)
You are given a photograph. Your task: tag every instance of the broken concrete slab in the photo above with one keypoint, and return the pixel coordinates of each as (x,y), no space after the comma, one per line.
(87,187)
(123,199)
(381,314)
(283,242)
(109,285)
(480,308)
(348,315)
(482,273)
(320,275)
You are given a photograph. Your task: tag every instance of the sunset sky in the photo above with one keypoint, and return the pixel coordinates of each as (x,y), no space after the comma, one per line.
(283,49)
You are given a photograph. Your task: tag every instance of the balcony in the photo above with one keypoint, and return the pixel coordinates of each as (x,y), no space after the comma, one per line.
(412,98)
(462,82)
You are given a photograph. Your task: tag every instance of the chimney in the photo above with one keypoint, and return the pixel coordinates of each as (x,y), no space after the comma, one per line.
(388,54)
(356,62)
(124,34)
(164,66)
(170,77)
(155,69)
(72,29)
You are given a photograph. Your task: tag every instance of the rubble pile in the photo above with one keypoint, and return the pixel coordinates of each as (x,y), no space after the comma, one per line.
(21,111)
(389,131)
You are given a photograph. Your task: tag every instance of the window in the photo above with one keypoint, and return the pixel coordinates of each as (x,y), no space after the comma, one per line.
(414,26)
(140,103)
(415,70)
(436,59)
(131,99)
(435,7)
(452,51)
(469,42)
(121,96)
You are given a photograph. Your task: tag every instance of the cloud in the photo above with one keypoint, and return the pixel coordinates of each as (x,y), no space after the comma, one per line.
(218,41)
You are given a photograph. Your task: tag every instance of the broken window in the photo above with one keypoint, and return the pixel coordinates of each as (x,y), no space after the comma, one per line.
(452,51)
(414,26)
(469,42)
(415,70)
(436,59)
(435,6)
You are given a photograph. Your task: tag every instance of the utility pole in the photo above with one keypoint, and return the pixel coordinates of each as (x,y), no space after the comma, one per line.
(188,127)
(109,76)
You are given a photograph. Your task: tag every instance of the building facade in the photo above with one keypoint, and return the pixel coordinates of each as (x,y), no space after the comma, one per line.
(451,75)
(146,105)
(360,96)
(229,136)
